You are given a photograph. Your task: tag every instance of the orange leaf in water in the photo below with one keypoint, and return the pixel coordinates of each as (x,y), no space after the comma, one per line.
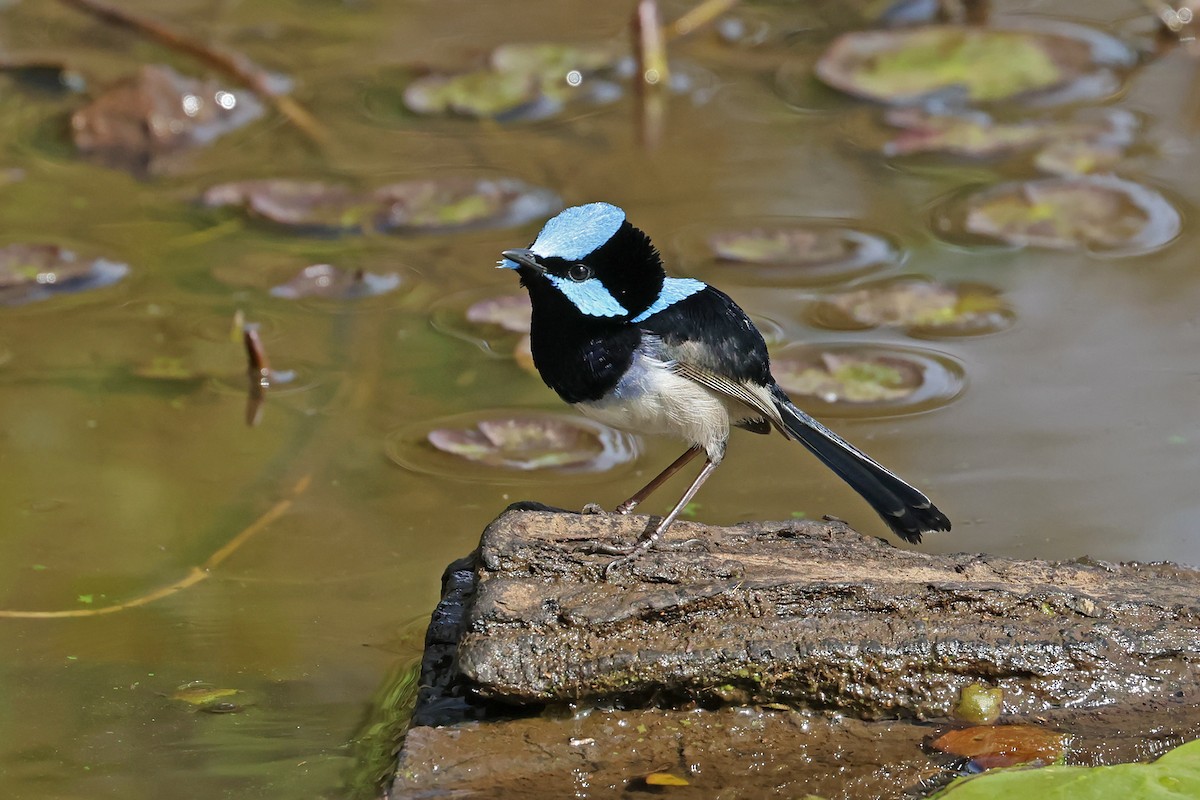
(1005,745)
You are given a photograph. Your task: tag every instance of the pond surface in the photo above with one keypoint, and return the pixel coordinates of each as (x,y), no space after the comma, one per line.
(126,463)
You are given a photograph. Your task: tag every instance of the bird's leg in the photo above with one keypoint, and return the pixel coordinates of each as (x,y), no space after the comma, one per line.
(647,540)
(663,477)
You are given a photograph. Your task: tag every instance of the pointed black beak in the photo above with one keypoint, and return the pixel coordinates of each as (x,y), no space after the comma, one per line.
(515,259)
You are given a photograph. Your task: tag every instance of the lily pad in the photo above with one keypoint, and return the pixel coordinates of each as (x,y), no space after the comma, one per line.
(158,112)
(1097,213)
(521,82)
(799,253)
(992,746)
(327,281)
(847,379)
(1173,776)
(32,272)
(430,205)
(510,446)
(922,306)
(521,442)
(867,380)
(978,64)
(1086,142)
(510,312)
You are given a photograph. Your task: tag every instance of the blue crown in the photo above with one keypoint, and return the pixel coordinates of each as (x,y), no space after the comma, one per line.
(578,231)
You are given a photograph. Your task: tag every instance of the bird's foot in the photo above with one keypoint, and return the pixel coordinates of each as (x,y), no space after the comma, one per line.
(593,508)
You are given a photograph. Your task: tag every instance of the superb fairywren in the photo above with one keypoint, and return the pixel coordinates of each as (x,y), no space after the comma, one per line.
(629,347)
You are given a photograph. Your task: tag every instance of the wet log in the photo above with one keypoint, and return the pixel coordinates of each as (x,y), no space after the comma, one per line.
(751,644)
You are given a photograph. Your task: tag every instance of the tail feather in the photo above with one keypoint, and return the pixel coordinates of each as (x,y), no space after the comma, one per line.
(906,510)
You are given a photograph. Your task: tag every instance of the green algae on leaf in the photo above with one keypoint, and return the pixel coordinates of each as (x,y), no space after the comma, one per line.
(979,704)
(1173,776)
(865,380)
(327,281)
(992,746)
(982,64)
(429,205)
(1096,213)
(1086,142)
(842,378)
(32,272)
(522,81)
(521,442)
(923,307)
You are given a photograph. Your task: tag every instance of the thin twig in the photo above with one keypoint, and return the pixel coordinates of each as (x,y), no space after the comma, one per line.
(194,576)
(258,370)
(650,54)
(229,62)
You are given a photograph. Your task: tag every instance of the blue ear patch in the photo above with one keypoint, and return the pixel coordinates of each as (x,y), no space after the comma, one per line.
(589,296)
(578,231)
(673,290)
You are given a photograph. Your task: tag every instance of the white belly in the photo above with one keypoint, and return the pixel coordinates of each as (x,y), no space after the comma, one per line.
(652,399)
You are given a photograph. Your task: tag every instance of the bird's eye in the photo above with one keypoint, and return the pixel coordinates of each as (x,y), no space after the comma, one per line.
(579,272)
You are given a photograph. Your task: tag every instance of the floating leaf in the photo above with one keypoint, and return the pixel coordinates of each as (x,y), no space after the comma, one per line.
(157,112)
(1092,213)
(1085,143)
(1174,776)
(979,704)
(840,378)
(509,311)
(524,443)
(926,306)
(1005,745)
(981,64)
(431,205)
(665,779)
(801,246)
(478,94)
(325,280)
(523,81)
(165,368)
(201,694)
(31,272)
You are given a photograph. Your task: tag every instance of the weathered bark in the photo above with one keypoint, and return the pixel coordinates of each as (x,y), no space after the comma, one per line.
(808,617)
(817,615)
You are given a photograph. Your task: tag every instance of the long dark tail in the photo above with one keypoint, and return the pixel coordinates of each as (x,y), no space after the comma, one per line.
(906,510)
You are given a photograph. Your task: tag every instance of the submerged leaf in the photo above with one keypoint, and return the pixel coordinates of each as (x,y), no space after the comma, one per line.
(983,64)
(325,280)
(1084,143)
(430,205)
(794,246)
(523,443)
(1173,776)
(522,81)
(918,304)
(165,368)
(31,272)
(665,779)
(843,378)
(201,695)
(1100,212)
(992,746)
(158,112)
(509,311)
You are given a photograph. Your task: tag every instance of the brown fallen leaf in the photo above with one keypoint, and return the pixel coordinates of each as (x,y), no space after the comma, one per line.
(992,746)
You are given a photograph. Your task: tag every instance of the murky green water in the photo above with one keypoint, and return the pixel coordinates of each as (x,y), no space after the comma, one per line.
(1076,434)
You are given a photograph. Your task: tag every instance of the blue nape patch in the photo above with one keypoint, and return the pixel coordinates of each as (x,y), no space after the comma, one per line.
(578,231)
(589,296)
(673,290)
